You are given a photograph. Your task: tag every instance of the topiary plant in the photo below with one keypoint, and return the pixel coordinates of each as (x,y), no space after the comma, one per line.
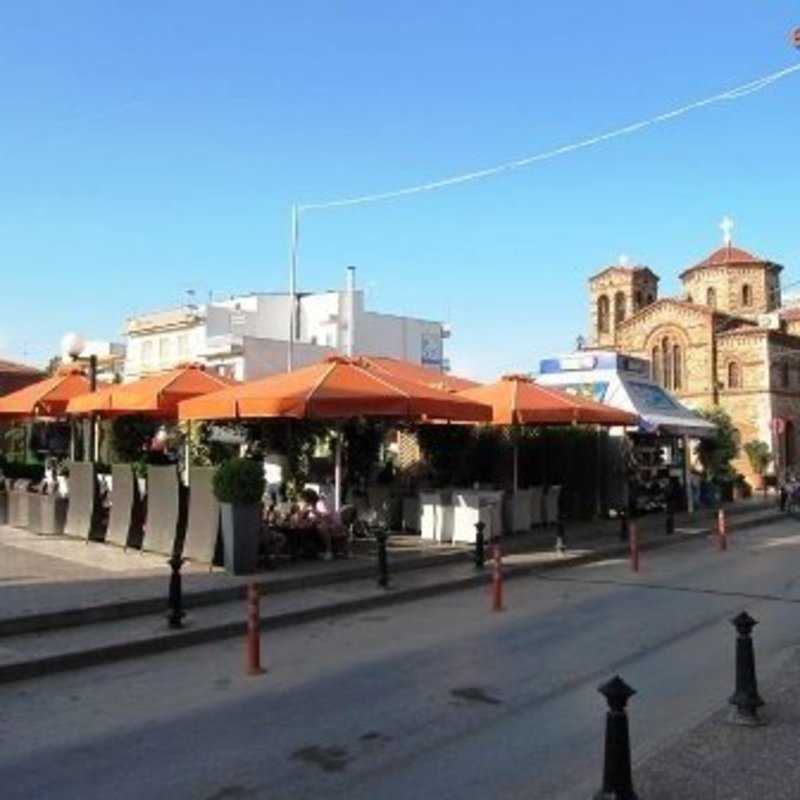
(758,455)
(239,481)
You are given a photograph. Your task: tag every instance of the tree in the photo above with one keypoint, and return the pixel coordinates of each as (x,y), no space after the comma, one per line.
(717,452)
(759,456)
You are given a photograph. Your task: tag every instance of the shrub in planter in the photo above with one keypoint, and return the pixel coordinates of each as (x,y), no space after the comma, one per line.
(239,487)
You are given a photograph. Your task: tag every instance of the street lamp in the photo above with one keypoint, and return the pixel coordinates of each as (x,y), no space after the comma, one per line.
(72,345)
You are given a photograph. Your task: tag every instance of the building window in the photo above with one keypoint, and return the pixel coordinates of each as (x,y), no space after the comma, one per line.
(747,295)
(637,298)
(734,375)
(619,308)
(655,364)
(164,350)
(677,367)
(689,298)
(602,314)
(147,353)
(711,297)
(183,347)
(666,362)
(785,374)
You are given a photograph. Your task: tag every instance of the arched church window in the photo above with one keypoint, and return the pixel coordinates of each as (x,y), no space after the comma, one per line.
(666,362)
(689,298)
(677,367)
(747,295)
(734,375)
(602,314)
(637,299)
(711,297)
(655,364)
(619,308)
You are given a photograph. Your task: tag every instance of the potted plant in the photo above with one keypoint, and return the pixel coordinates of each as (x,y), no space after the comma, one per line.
(760,458)
(239,487)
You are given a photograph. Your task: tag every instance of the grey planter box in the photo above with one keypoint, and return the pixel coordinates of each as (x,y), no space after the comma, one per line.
(48,514)
(241,526)
(18,504)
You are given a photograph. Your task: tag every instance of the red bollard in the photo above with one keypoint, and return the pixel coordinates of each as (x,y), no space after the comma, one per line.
(634,540)
(497,578)
(722,530)
(253,632)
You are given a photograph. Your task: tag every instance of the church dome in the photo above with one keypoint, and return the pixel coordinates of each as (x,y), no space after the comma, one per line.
(727,256)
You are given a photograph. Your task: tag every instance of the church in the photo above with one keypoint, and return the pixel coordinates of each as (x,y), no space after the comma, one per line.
(726,341)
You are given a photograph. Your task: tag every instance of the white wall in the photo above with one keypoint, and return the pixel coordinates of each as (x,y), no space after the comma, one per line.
(264,357)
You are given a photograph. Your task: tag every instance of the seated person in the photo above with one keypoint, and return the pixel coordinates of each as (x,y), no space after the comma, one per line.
(314,512)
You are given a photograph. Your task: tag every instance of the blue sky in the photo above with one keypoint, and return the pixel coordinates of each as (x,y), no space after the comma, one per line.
(153,146)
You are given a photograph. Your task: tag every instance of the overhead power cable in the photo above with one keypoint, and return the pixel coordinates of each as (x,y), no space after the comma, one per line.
(735,93)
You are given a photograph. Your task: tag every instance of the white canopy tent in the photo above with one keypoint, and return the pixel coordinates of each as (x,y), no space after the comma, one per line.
(624,382)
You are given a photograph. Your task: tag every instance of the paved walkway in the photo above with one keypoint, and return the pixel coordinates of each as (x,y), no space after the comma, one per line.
(42,575)
(718,761)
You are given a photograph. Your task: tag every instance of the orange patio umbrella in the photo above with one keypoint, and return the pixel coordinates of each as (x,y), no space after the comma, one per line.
(336,388)
(156,395)
(416,372)
(518,400)
(47,398)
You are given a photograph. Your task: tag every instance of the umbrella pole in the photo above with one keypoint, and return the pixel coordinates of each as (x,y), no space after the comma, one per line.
(687,475)
(187,452)
(72,439)
(516,464)
(337,471)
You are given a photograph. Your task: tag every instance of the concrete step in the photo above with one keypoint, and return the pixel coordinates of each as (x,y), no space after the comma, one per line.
(28,655)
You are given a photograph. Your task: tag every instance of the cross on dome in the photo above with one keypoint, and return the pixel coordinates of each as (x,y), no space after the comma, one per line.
(727,227)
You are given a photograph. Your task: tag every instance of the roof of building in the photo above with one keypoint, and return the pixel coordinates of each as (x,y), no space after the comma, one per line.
(790,314)
(620,268)
(729,256)
(13,368)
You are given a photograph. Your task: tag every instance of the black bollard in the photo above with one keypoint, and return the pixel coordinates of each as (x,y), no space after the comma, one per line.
(176,612)
(383,561)
(561,537)
(480,545)
(617,778)
(745,698)
(623,526)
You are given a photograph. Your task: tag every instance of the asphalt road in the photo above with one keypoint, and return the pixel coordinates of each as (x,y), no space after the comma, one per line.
(439,698)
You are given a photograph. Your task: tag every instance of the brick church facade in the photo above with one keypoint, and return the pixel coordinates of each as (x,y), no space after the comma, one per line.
(726,341)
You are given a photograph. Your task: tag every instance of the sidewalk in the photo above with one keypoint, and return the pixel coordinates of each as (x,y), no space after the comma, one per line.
(717,761)
(50,582)
(132,621)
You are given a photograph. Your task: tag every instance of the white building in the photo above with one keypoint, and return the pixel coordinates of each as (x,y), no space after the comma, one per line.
(245,337)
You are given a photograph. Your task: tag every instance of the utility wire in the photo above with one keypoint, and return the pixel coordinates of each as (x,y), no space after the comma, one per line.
(735,93)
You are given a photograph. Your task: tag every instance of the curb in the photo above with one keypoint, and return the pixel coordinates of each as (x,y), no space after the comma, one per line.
(188,638)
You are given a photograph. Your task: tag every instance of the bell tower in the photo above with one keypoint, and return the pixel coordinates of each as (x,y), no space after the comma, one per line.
(615,294)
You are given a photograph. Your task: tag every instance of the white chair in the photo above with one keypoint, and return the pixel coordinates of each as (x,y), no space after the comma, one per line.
(519,506)
(428,515)
(468,510)
(537,505)
(551,505)
(436,516)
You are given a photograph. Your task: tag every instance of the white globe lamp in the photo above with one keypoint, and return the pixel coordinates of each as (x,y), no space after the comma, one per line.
(72,345)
